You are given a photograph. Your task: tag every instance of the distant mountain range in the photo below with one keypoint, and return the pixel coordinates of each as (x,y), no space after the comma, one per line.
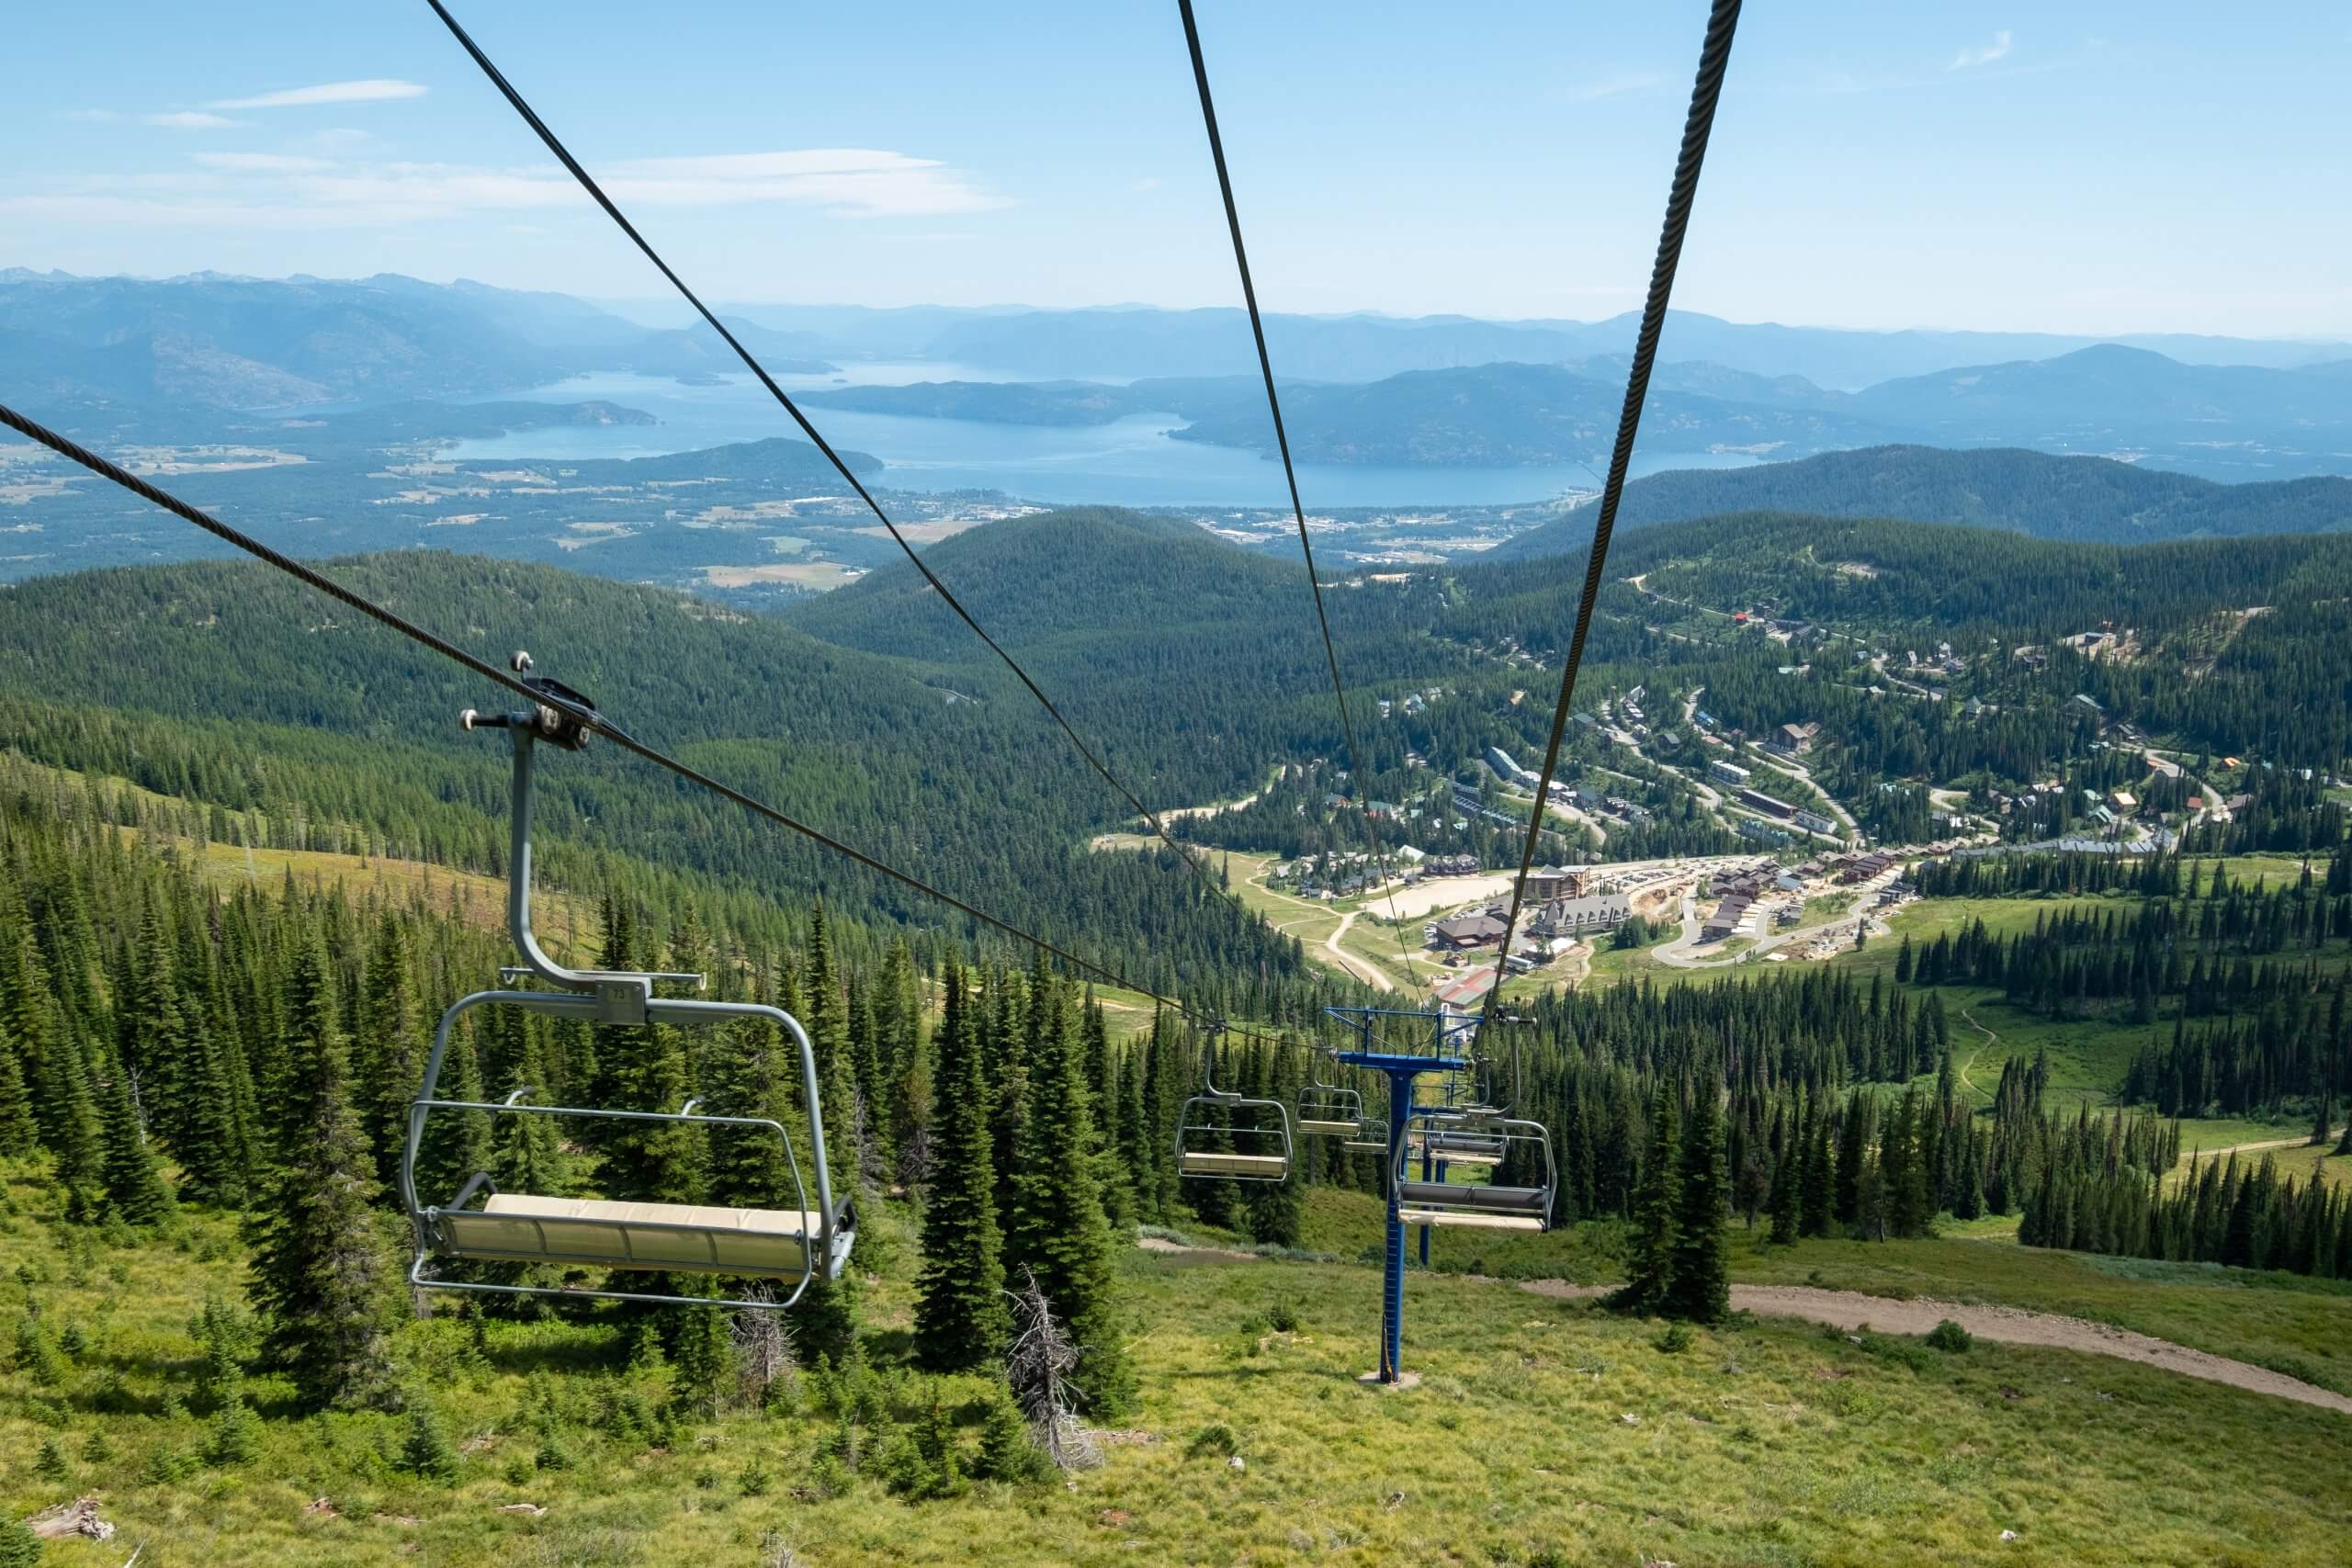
(2084,499)
(2224,421)
(1136,342)
(207,344)
(193,358)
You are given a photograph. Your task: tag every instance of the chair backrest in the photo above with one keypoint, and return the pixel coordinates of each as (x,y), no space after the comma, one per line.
(1260,1145)
(1478,1197)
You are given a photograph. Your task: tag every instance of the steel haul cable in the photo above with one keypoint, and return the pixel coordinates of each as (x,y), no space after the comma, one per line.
(1714,59)
(310,576)
(588,183)
(1358,780)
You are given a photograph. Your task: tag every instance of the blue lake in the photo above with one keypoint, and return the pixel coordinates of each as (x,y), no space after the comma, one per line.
(1132,462)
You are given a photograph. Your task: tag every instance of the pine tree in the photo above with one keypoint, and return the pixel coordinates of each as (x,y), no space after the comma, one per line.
(1784,1201)
(1701,1290)
(1270,1208)
(135,1188)
(749,1069)
(1818,1192)
(1101,1088)
(1056,1228)
(1853,1140)
(18,1134)
(387,1065)
(319,1273)
(702,1363)
(1657,1238)
(961,1321)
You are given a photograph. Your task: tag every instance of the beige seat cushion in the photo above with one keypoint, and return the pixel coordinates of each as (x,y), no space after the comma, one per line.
(1322,1129)
(1200,1163)
(521,1227)
(1468,1220)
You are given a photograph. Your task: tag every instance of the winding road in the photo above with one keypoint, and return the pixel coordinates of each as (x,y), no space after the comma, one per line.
(2007,1325)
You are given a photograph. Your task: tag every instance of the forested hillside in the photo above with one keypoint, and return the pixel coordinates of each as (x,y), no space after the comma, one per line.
(2090,499)
(227,683)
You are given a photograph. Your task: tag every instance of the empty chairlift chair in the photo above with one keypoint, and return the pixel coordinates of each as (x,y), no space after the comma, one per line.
(1326,1111)
(1471,1145)
(1259,1131)
(796,1243)
(1480,1205)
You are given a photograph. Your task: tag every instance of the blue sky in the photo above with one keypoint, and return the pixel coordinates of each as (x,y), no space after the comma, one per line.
(2062,167)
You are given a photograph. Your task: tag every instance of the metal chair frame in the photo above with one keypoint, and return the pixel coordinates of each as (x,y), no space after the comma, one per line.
(1441,1200)
(604,997)
(1329,1111)
(1230,1101)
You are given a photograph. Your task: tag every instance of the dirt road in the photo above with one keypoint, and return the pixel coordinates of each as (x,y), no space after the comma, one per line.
(1363,969)
(2005,1326)
(2009,1325)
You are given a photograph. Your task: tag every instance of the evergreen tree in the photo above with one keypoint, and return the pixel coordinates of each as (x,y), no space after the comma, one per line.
(1853,1141)
(1056,1228)
(319,1273)
(18,1134)
(1270,1208)
(1784,1202)
(386,1062)
(1818,1191)
(1656,1243)
(135,1188)
(961,1320)
(1701,1290)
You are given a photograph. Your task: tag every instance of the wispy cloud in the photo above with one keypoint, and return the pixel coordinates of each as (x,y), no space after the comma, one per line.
(262,163)
(1616,84)
(1982,54)
(375,90)
(190,119)
(287,191)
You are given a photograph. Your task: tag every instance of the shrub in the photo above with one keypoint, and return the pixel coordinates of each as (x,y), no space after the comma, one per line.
(1216,1439)
(97,1450)
(1283,1317)
(50,1463)
(553,1455)
(425,1448)
(19,1548)
(1951,1336)
(37,1354)
(1677,1338)
(828,1477)
(1007,1453)
(753,1480)
(236,1434)
(166,1467)
(519,1470)
(73,1341)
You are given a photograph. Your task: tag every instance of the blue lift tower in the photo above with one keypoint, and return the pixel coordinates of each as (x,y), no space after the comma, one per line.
(1445,1052)
(1458,1129)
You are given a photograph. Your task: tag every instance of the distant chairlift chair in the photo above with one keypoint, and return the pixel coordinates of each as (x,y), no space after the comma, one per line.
(792,1244)
(1327,1110)
(1267,1153)
(1484,1206)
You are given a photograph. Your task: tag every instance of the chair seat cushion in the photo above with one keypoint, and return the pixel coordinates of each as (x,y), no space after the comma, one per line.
(521,1227)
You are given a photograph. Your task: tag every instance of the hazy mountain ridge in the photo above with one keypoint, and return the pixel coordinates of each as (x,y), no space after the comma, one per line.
(2087,498)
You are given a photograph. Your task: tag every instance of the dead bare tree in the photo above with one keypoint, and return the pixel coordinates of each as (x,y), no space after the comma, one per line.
(1039,1367)
(764,1360)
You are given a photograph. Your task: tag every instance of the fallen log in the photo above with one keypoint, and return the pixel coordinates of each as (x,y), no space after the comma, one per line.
(77,1517)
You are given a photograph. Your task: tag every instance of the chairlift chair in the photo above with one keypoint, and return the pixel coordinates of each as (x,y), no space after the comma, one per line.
(1269,1155)
(1482,1206)
(1327,1110)
(796,1243)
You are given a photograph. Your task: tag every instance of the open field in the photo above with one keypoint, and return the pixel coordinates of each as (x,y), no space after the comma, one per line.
(817,574)
(1542,1431)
